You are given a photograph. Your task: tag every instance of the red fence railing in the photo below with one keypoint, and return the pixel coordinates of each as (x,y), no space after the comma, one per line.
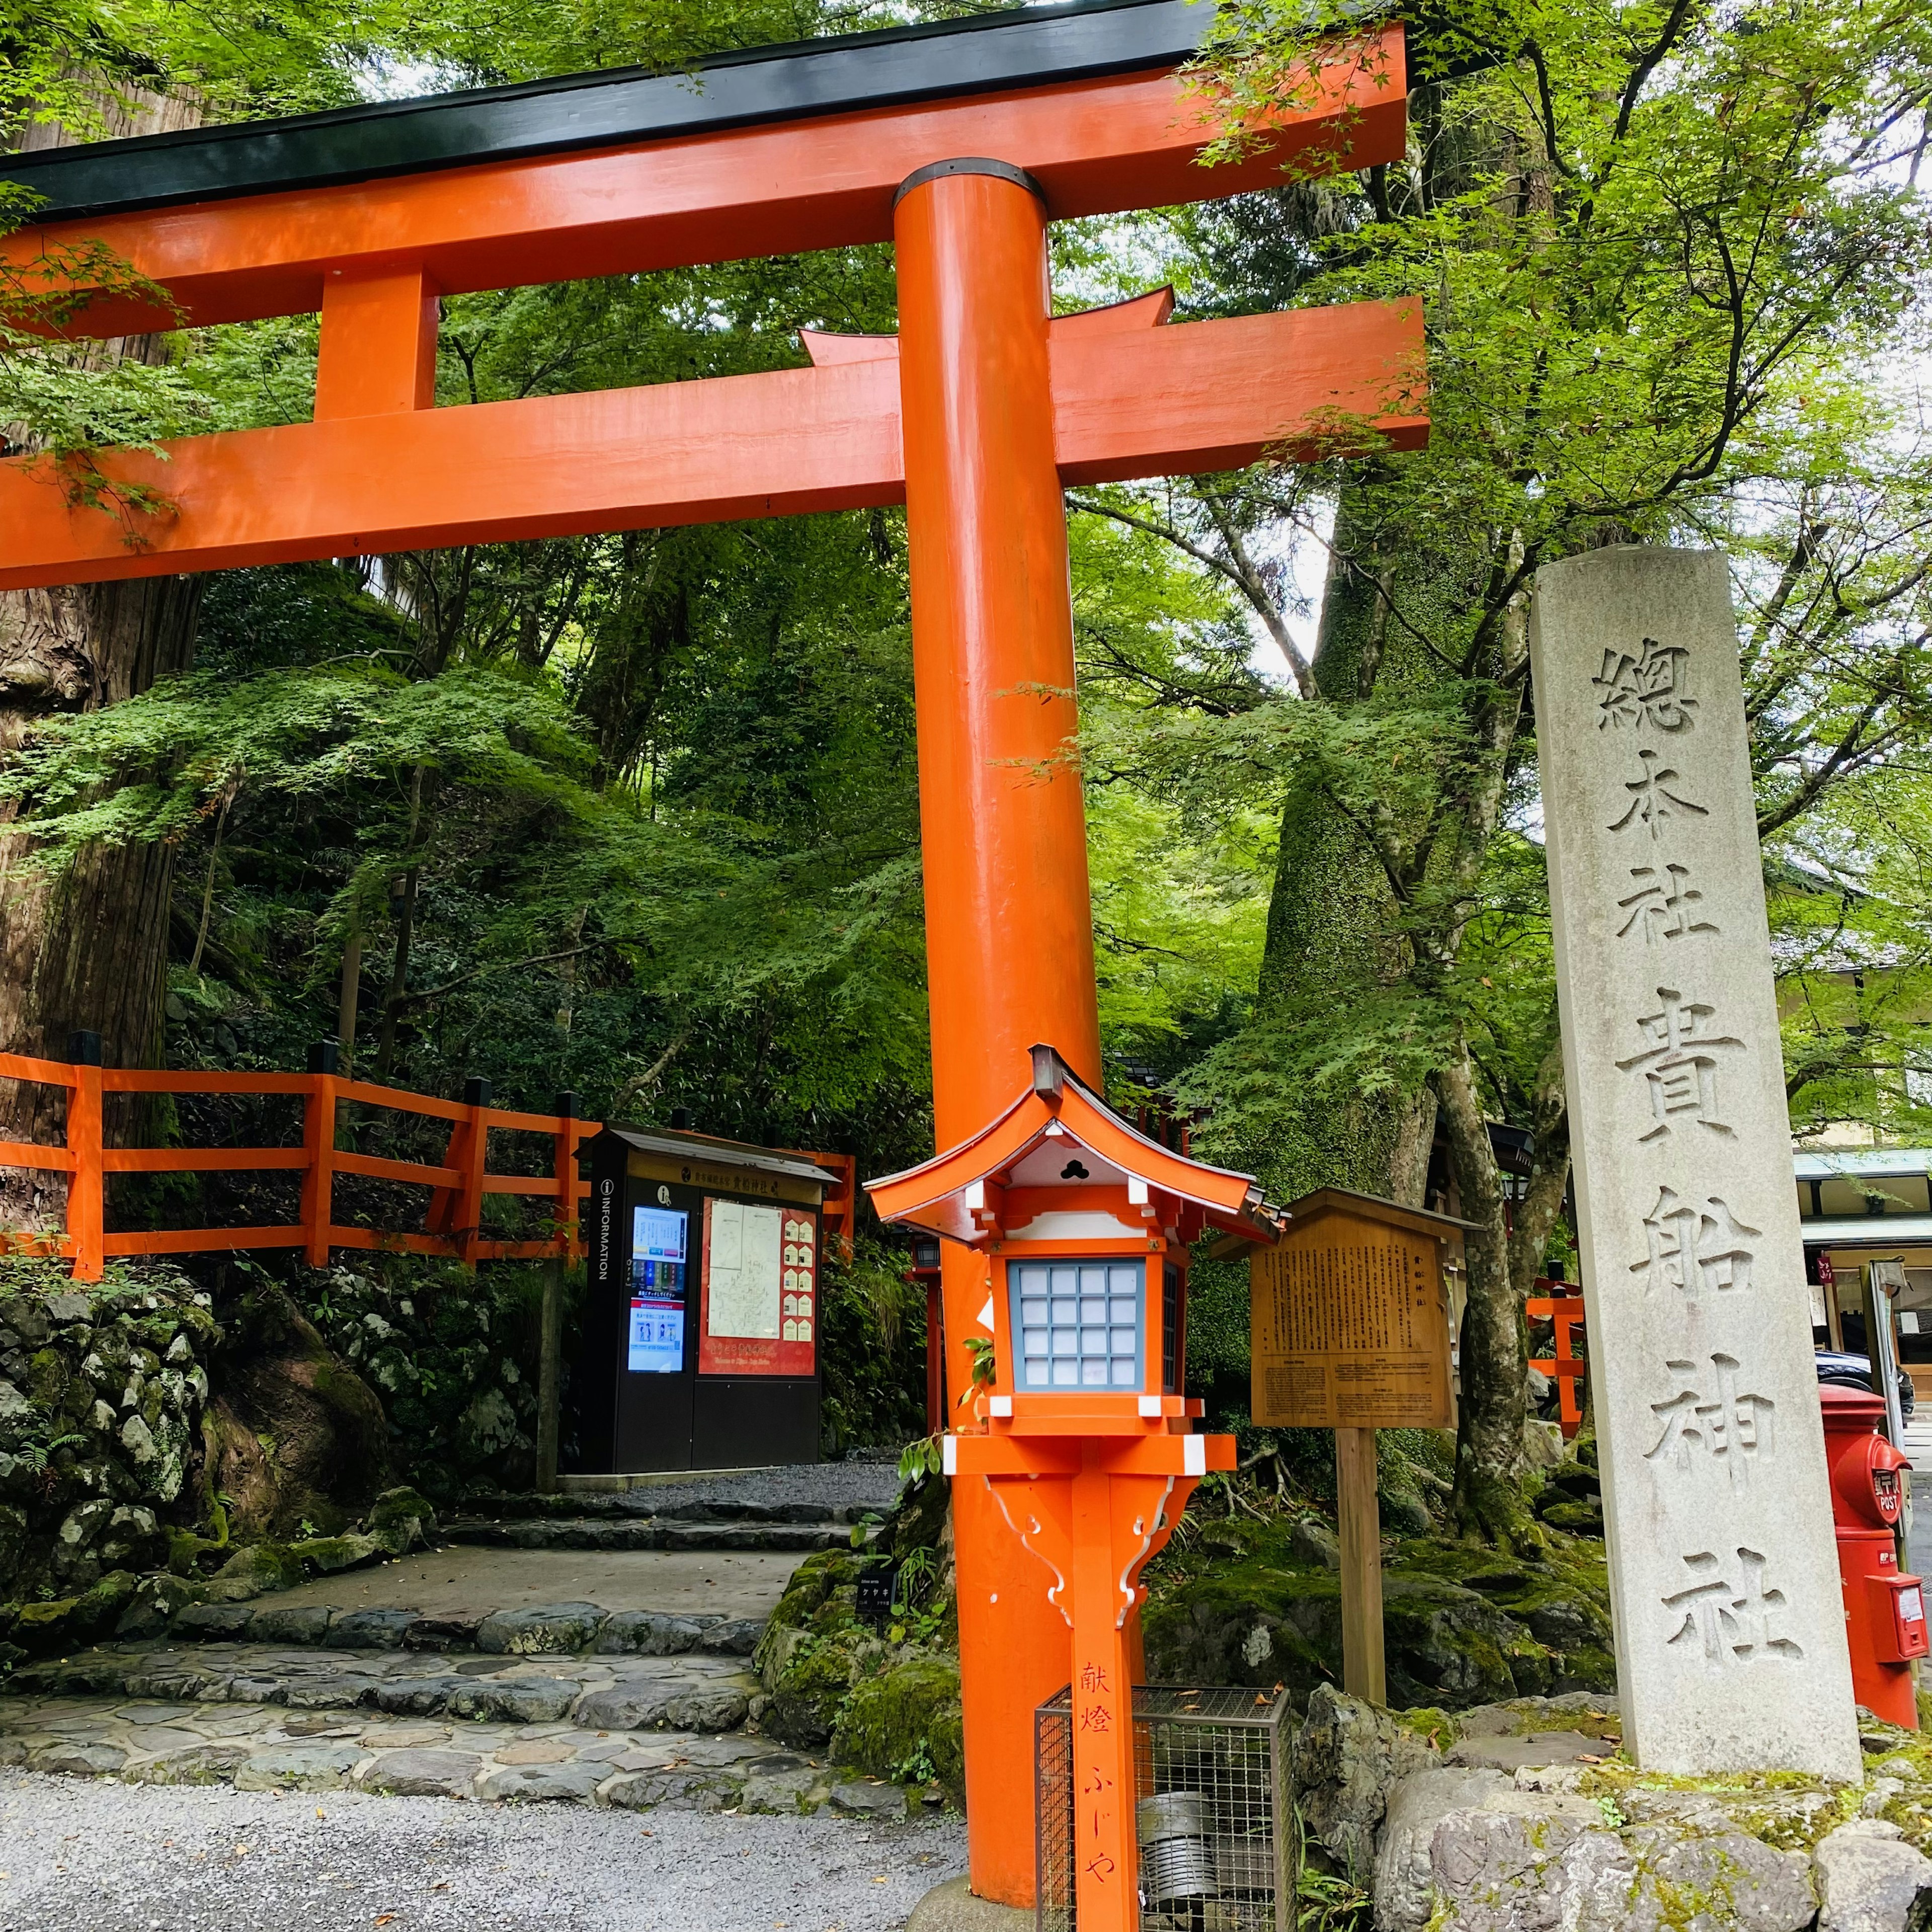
(458,1184)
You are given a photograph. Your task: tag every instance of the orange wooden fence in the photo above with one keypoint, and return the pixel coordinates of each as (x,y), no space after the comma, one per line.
(457,1185)
(1563,1309)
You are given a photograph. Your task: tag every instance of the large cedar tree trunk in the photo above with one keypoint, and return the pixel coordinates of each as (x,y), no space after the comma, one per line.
(1332,926)
(87,950)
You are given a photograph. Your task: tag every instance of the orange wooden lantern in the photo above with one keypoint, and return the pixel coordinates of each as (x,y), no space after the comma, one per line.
(1079,1438)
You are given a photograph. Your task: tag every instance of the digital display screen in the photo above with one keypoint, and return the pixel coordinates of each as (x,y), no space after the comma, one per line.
(658,1278)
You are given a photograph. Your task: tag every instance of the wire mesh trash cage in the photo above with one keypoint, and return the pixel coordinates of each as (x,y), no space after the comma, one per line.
(1214,1814)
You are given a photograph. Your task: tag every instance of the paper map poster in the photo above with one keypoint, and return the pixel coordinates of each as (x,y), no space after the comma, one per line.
(747,1263)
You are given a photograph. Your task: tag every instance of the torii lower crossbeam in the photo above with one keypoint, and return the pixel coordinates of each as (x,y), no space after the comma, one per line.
(1127,401)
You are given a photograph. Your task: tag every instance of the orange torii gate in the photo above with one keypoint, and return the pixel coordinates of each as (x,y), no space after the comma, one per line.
(958,144)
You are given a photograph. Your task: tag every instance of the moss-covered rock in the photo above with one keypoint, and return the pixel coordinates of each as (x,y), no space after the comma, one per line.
(808,1695)
(1578,1519)
(95,1424)
(813,1583)
(69,1623)
(815,1654)
(298,1436)
(401,1520)
(250,1571)
(151,1607)
(41,1629)
(905,1725)
(191,1555)
(325,1556)
(1255,1604)
(97,1609)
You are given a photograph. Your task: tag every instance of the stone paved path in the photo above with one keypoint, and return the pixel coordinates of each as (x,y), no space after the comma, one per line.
(399,1684)
(101,1857)
(691,1692)
(257,1747)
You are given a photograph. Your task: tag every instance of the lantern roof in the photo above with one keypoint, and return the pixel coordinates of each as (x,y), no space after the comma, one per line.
(1061,1164)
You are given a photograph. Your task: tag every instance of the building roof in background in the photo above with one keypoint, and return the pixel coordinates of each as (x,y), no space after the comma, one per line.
(1851,1163)
(1868,1231)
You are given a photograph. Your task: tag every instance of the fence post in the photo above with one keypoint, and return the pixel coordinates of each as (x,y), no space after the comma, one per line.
(848,1202)
(473,1159)
(318,1194)
(86,1190)
(550,1355)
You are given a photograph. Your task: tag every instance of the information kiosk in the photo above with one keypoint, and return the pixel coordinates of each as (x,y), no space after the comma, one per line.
(699,1346)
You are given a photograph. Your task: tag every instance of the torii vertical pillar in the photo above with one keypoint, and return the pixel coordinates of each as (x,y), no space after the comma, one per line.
(1009,939)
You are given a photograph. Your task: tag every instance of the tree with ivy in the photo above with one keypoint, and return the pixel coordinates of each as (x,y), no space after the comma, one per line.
(1671,257)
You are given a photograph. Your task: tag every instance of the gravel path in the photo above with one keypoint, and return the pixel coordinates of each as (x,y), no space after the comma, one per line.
(80,1856)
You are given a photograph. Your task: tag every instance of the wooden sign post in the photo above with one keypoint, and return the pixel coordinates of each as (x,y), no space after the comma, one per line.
(1351,1332)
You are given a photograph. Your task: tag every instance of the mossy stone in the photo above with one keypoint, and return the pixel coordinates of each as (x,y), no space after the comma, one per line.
(1464,1625)
(401,1520)
(906,1724)
(808,1698)
(192,1556)
(153,1606)
(1579,1519)
(97,1609)
(42,1630)
(260,1567)
(326,1555)
(47,1379)
(811,1583)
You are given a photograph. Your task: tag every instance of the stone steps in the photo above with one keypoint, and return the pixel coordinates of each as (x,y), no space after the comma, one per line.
(660,1504)
(603,1692)
(259,1746)
(543,1629)
(600,1532)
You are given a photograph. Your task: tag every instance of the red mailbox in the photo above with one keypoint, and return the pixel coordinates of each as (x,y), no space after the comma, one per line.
(1884,1608)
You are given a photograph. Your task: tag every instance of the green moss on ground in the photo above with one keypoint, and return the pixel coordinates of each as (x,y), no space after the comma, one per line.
(890,1709)
(905,1724)
(1253,1602)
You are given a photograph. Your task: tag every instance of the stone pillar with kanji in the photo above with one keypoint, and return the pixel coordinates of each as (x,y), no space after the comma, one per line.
(1731,1651)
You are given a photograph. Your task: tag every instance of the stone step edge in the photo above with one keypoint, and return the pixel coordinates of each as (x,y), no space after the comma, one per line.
(646,1533)
(540,1629)
(638,1505)
(619,1707)
(427,1772)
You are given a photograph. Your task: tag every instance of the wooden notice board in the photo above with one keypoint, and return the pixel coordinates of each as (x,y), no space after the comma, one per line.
(1351,1318)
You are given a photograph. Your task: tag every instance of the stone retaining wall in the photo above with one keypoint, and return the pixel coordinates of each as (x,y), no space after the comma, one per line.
(101,1401)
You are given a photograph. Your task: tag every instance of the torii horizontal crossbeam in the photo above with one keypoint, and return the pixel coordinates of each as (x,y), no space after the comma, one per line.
(1096,144)
(1128,402)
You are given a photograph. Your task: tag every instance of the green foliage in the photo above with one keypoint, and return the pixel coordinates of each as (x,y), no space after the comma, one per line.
(1663,256)
(872,1346)
(986,1367)
(452,1355)
(1326,1901)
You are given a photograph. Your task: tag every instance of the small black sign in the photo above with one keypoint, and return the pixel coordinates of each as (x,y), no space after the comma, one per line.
(875,1593)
